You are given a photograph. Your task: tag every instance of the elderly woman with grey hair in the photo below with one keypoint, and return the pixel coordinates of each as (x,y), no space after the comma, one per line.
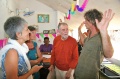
(13,59)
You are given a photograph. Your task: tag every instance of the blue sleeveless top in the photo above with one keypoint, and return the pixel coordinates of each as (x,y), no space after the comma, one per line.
(32,55)
(22,66)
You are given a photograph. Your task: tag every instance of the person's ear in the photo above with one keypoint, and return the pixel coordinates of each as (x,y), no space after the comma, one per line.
(21,34)
(58,31)
(18,34)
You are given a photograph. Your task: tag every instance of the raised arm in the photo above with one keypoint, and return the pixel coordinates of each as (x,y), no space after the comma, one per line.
(102,26)
(81,35)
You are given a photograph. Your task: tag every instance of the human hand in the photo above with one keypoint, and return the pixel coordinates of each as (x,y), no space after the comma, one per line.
(80,27)
(68,74)
(103,25)
(51,68)
(36,68)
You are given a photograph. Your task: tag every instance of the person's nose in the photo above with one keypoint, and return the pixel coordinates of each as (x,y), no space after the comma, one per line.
(66,30)
(85,22)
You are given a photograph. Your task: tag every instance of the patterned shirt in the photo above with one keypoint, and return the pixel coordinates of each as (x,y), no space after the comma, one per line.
(22,66)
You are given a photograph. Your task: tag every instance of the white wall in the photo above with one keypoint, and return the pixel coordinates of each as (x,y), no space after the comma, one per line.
(7,9)
(60,15)
(39,8)
(33,5)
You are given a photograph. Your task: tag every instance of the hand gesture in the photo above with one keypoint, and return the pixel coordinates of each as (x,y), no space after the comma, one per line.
(68,74)
(103,25)
(80,27)
(51,68)
(36,68)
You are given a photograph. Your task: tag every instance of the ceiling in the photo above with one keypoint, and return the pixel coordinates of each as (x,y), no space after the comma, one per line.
(76,19)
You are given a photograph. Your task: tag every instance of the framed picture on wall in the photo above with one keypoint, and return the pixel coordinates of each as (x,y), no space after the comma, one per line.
(43,18)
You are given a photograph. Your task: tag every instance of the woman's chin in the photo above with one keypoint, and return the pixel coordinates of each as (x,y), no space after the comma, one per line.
(28,39)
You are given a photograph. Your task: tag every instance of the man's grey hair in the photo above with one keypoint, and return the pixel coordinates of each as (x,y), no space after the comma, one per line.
(13,25)
(62,23)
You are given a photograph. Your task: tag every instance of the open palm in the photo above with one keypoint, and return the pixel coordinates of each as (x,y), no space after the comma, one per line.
(103,25)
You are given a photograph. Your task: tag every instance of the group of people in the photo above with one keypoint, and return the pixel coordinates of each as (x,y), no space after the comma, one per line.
(21,52)
(64,56)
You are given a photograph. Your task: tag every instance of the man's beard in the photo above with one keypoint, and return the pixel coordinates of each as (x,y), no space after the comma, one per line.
(64,37)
